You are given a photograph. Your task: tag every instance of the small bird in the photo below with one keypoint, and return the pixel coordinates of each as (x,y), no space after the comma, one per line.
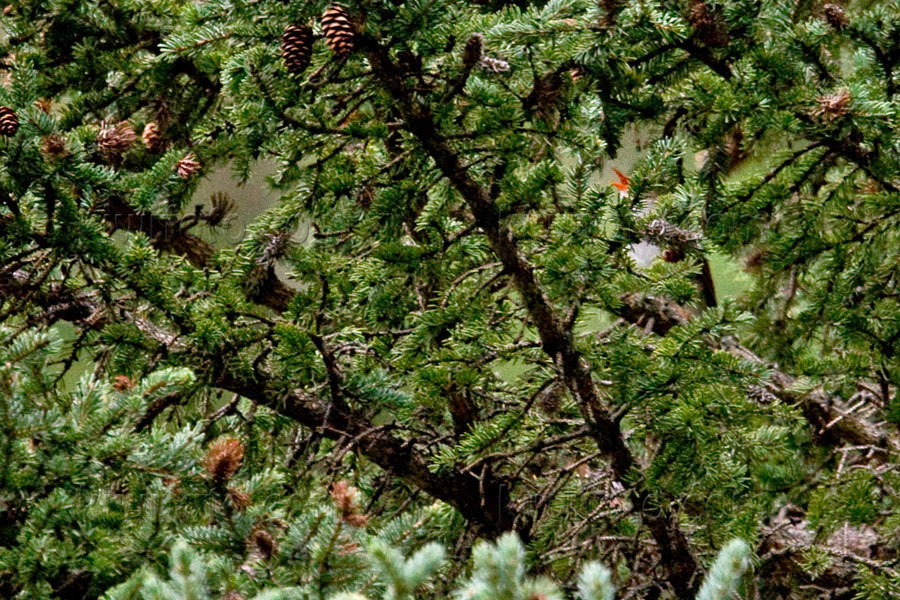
(643,251)
(622,183)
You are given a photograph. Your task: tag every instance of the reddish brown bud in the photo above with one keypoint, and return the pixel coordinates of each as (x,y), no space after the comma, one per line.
(344,496)
(223,459)
(239,499)
(673,254)
(187,166)
(122,383)
(43,104)
(833,106)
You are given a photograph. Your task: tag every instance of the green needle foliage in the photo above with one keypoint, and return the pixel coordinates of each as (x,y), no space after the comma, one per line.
(480,322)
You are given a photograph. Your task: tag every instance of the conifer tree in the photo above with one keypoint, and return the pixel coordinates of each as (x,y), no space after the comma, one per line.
(508,361)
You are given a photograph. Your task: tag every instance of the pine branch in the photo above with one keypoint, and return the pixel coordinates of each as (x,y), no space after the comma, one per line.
(170,235)
(826,415)
(484,501)
(556,340)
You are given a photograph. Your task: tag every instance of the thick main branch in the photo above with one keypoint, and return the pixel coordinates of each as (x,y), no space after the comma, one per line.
(484,500)
(556,338)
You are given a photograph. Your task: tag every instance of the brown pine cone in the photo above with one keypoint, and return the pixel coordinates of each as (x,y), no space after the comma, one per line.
(187,166)
(9,122)
(151,137)
(296,48)
(116,139)
(338,29)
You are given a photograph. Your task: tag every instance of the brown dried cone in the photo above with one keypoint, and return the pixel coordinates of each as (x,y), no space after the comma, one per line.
(221,206)
(9,122)
(262,544)
(151,137)
(223,459)
(344,496)
(710,26)
(296,48)
(338,29)
(54,146)
(187,166)
(835,16)
(43,104)
(123,383)
(239,499)
(116,139)
(833,106)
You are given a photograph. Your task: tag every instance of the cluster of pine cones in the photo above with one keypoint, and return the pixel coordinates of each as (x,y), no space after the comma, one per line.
(115,139)
(338,30)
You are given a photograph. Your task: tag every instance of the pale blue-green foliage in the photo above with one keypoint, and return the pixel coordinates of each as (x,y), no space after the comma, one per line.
(187,577)
(722,580)
(188,580)
(403,576)
(595,583)
(499,570)
(499,573)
